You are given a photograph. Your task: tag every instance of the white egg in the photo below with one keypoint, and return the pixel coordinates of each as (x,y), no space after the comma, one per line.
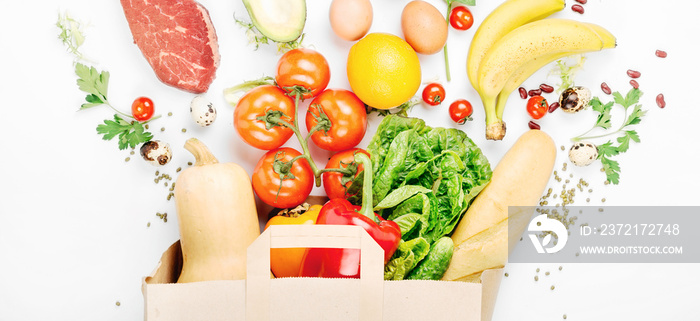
(202,111)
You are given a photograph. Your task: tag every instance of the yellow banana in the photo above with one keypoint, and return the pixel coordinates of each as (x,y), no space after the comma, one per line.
(522,74)
(506,17)
(525,43)
(532,66)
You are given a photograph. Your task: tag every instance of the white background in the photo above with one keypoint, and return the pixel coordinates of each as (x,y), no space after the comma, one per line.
(74,216)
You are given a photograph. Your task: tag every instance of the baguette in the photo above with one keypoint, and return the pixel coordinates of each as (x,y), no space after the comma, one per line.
(518,180)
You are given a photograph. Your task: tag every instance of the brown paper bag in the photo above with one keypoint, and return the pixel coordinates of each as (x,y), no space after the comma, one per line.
(367,298)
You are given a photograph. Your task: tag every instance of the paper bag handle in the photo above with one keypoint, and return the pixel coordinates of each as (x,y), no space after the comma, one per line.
(317,236)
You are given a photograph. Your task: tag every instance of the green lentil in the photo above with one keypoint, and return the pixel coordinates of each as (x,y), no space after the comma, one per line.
(560,268)
(552,287)
(127,159)
(184,130)
(546,273)
(162,129)
(564,316)
(506,275)
(118,303)
(536,278)
(170,113)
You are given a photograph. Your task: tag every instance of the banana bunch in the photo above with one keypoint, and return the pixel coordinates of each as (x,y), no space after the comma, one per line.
(515,41)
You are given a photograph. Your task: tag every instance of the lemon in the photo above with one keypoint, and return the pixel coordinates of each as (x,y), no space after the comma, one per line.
(383,70)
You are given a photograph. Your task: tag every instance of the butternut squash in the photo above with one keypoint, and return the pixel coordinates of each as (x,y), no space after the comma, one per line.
(217,217)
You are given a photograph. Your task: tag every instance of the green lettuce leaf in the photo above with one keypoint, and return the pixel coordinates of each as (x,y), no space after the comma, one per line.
(406,257)
(424,178)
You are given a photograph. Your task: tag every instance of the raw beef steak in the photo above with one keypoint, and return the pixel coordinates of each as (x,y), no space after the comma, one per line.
(178,40)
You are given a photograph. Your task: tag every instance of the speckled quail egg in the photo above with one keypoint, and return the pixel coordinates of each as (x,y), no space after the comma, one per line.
(574,99)
(583,153)
(202,111)
(156,152)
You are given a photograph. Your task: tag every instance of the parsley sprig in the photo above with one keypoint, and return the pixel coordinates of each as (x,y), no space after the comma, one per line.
(625,135)
(95,83)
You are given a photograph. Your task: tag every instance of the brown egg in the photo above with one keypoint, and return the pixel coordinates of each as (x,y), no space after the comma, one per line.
(351,19)
(424,27)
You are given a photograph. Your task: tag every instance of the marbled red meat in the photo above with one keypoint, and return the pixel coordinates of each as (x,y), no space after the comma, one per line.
(178,40)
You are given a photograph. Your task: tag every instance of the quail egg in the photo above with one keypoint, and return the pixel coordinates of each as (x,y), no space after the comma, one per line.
(574,99)
(156,152)
(583,153)
(202,111)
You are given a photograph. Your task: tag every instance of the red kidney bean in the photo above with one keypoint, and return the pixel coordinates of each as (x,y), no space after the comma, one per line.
(533,125)
(523,93)
(660,101)
(535,92)
(661,54)
(546,88)
(634,84)
(633,73)
(553,106)
(605,88)
(582,1)
(577,8)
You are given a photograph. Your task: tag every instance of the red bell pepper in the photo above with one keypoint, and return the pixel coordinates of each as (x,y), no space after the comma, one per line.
(345,263)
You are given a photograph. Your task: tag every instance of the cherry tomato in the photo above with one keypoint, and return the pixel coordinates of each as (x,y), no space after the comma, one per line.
(342,117)
(433,94)
(336,184)
(461,111)
(537,107)
(461,18)
(304,68)
(257,103)
(277,183)
(142,108)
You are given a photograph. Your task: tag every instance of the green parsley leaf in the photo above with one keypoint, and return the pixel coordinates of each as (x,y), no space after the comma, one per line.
(607,149)
(636,116)
(604,118)
(630,99)
(94,83)
(612,170)
(131,134)
(624,140)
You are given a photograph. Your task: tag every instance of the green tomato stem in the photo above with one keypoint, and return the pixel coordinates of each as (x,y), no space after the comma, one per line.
(303,142)
(367,208)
